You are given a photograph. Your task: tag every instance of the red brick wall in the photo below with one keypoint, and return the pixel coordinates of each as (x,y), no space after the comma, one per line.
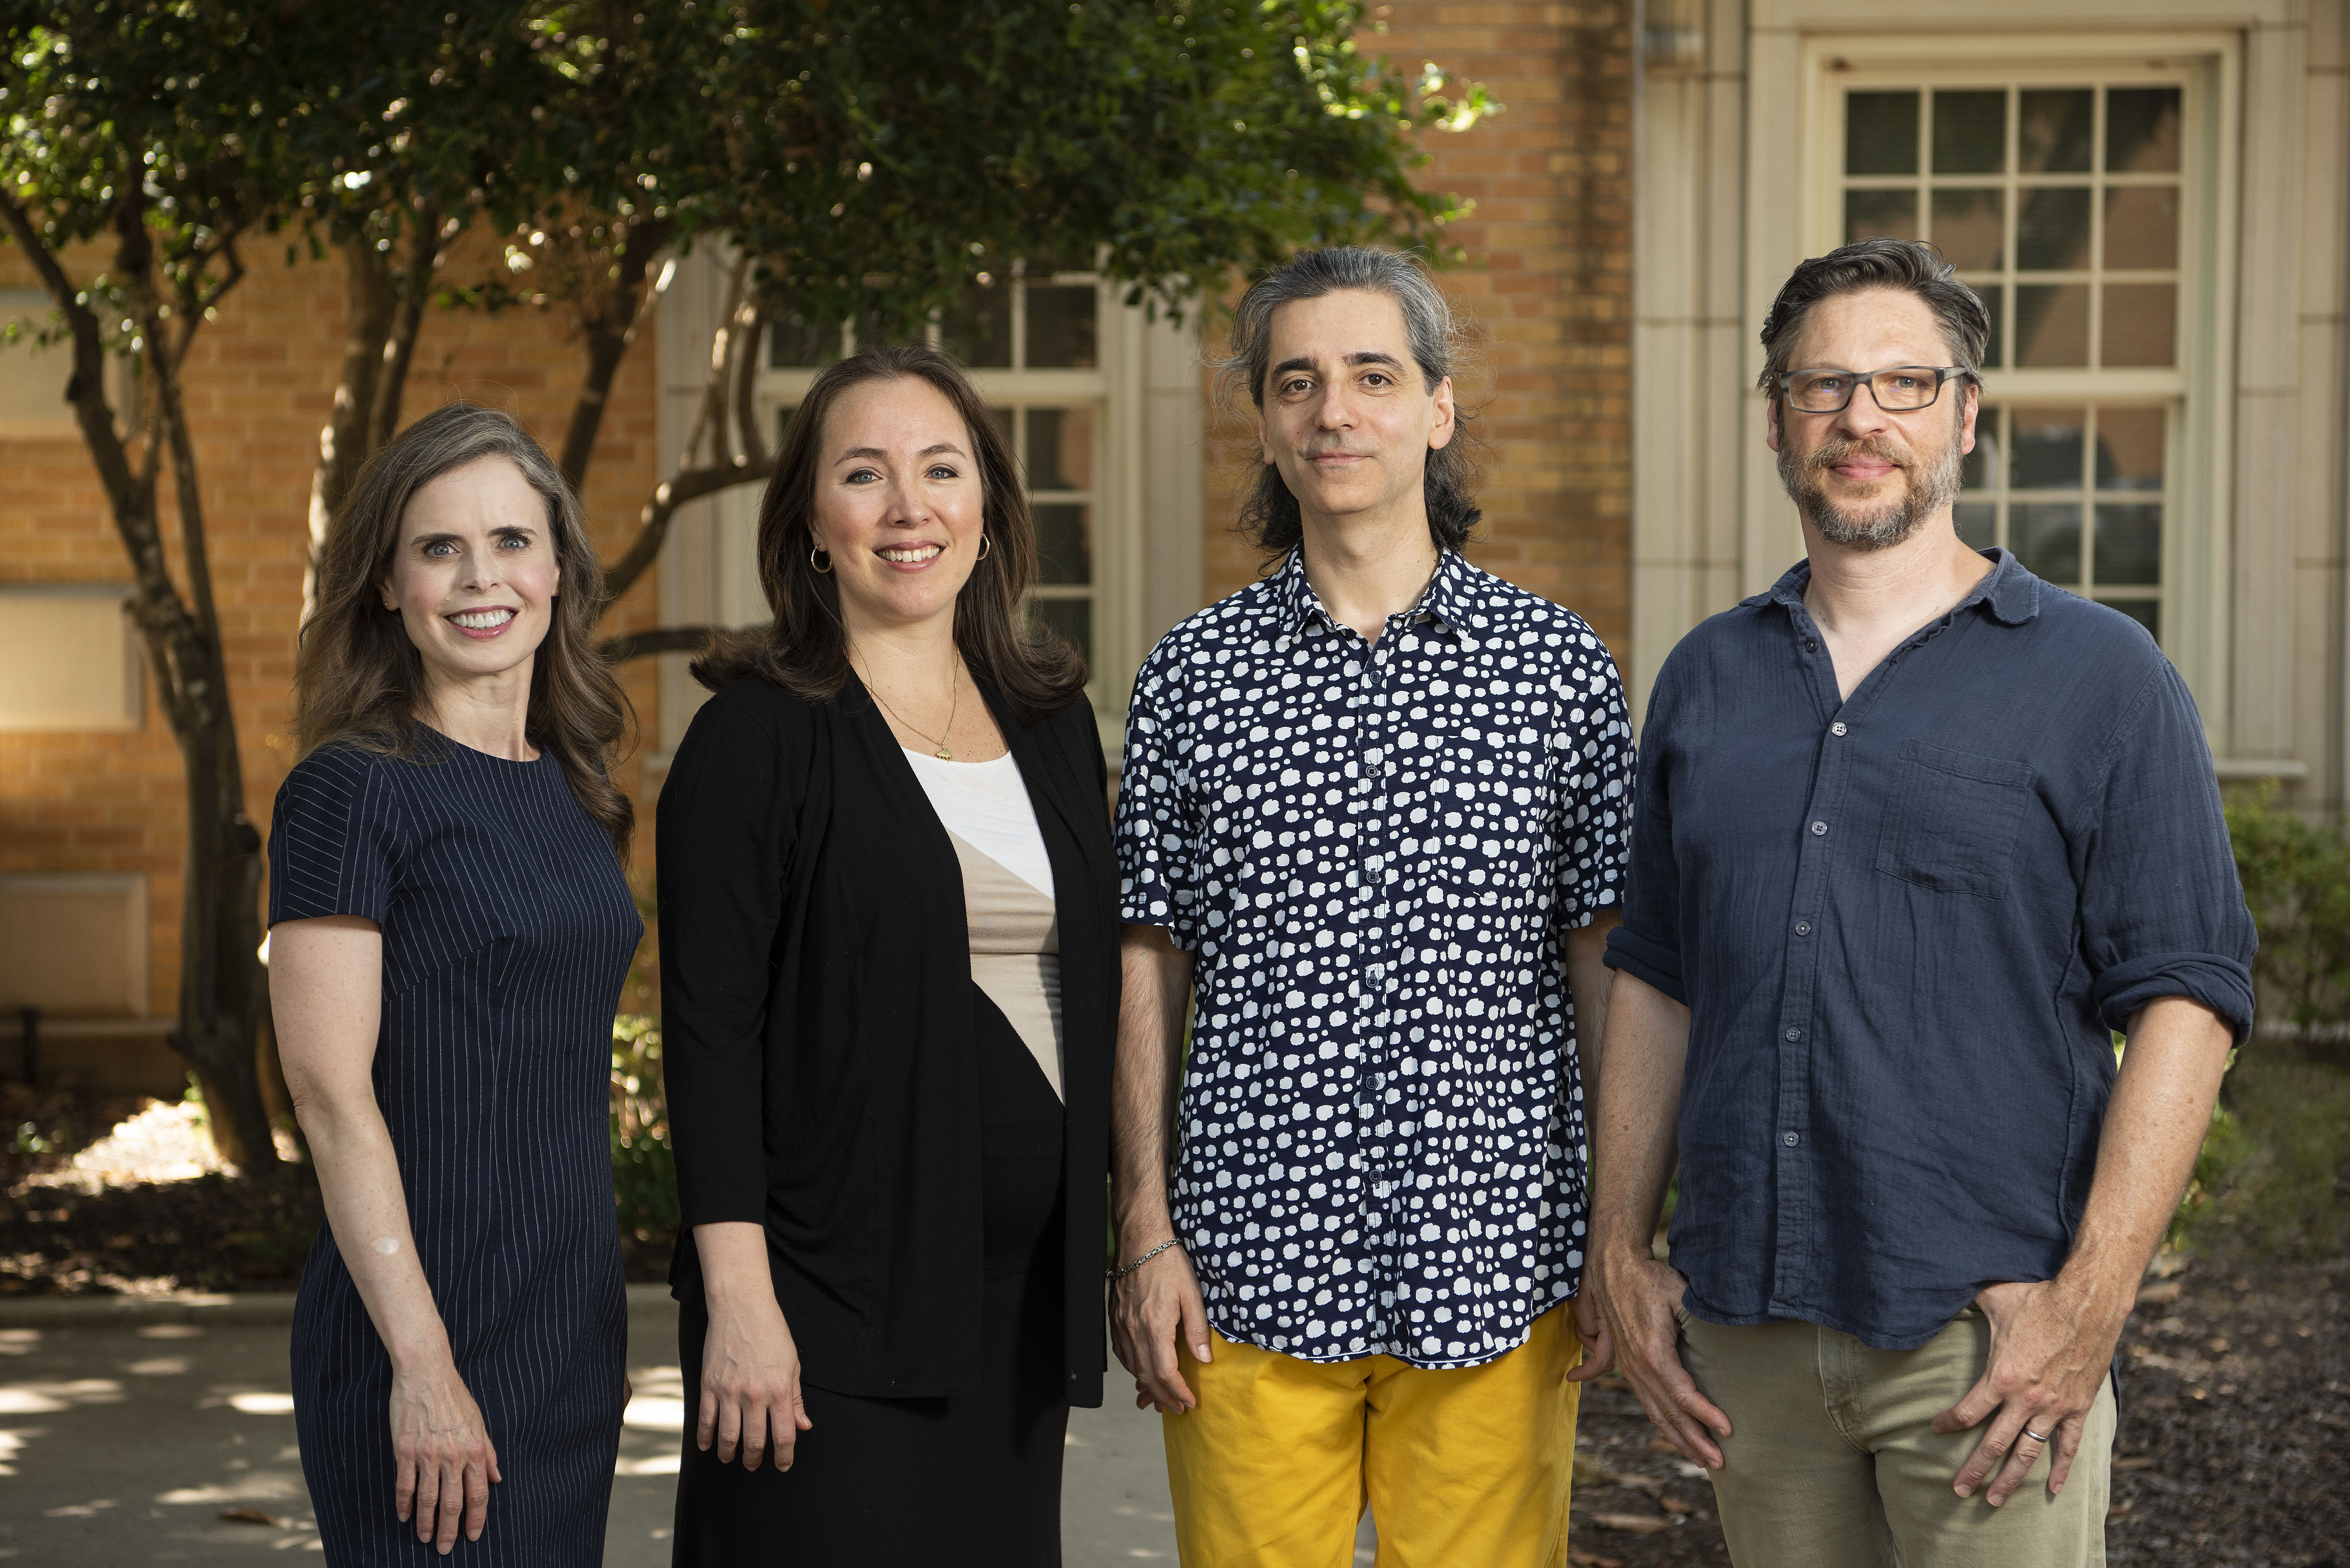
(1548,283)
(259,386)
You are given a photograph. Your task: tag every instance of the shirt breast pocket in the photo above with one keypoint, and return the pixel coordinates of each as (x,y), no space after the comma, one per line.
(1954,819)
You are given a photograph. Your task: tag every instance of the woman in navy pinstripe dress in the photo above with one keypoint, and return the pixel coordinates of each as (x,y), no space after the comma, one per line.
(449,932)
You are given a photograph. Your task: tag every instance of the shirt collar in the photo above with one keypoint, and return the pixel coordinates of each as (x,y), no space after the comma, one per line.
(1443,602)
(2010,592)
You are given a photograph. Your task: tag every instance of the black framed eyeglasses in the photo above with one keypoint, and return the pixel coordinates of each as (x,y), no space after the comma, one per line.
(1902,389)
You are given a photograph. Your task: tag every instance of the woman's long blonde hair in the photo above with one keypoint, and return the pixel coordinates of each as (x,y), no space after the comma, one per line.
(357,678)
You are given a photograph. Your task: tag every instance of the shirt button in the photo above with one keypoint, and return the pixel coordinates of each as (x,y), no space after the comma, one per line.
(1811,645)
(1819,829)
(1803,928)
(1794,1034)
(1790,1139)
(1836,728)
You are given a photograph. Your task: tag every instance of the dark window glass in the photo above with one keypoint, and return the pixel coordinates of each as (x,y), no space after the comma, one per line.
(1970,132)
(1994,300)
(1063,542)
(2129,449)
(2142,227)
(1880,215)
(2051,324)
(1073,618)
(2129,545)
(2052,231)
(2141,129)
(2147,613)
(1003,418)
(2057,128)
(2141,323)
(1060,453)
(1060,328)
(1978,523)
(1880,133)
(793,343)
(2046,536)
(1971,229)
(2047,454)
(977,328)
(1979,469)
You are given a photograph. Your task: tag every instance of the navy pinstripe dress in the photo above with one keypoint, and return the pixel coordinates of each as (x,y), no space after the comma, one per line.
(507,930)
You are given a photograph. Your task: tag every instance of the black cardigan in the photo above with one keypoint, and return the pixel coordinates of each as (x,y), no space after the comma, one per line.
(818,1027)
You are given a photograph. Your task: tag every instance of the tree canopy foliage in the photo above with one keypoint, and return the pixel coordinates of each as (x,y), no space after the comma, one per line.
(856,162)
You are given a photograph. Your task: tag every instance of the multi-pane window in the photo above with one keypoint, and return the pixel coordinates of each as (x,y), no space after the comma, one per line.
(2060,206)
(1032,343)
(2078,492)
(2062,203)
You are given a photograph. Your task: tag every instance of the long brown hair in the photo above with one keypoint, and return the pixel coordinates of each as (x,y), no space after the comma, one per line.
(804,649)
(357,678)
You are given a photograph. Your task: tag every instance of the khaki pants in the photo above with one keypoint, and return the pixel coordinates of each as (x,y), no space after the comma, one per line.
(1832,1461)
(1465,1468)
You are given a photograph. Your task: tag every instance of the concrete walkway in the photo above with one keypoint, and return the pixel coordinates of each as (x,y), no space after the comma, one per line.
(127,1433)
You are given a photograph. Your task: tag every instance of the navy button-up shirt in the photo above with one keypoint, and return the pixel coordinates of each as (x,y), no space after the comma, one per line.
(1903,925)
(1373,850)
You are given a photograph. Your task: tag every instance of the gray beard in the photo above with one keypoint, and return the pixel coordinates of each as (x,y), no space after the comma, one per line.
(1885,524)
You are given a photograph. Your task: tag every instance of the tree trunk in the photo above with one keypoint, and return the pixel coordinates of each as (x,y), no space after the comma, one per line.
(219,942)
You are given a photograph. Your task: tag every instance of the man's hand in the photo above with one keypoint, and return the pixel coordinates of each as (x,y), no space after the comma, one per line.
(1154,1309)
(1642,1298)
(1591,1327)
(2049,1357)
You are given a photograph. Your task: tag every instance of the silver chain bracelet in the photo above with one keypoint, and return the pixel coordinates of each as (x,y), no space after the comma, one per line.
(1114,1275)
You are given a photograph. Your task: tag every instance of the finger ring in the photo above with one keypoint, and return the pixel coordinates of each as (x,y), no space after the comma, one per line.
(2036,1437)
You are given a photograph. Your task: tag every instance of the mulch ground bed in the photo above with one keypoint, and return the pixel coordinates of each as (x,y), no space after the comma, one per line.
(2235,1416)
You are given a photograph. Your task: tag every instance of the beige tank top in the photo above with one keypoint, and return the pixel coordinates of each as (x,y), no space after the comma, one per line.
(1015,952)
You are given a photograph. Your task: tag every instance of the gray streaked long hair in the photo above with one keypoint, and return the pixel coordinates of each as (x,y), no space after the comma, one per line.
(358,677)
(1270,518)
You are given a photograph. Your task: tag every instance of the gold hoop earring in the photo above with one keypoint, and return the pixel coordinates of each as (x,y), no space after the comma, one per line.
(825,566)
(982,549)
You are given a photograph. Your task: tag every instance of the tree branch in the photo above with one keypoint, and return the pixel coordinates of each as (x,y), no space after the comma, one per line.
(652,529)
(424,257)
(610,332)
(751,321)
(663,639)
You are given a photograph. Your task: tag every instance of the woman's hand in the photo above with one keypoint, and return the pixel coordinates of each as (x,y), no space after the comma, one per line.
(443,1456)
(751,1385)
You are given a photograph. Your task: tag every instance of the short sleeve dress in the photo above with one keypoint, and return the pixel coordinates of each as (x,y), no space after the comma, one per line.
(507,931)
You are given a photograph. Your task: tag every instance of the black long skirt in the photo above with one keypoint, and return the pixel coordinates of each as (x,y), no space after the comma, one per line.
(973,1479)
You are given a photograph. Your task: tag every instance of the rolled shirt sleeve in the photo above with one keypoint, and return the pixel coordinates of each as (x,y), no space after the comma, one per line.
(1648,945)
(2162,908)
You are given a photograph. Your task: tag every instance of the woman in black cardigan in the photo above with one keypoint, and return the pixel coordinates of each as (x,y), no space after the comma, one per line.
(889,978)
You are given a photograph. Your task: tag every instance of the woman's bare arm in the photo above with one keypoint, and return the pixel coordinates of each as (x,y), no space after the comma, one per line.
(326,993)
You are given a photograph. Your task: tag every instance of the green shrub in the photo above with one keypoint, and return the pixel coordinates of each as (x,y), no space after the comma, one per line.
(2274,1187)
(2296,877)
(644,1171)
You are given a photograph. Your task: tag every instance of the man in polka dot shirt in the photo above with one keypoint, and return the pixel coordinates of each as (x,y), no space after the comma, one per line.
(1373,817)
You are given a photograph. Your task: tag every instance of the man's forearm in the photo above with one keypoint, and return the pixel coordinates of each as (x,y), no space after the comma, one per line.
(2155,1124)
(1587,985)
(1156,994)
(1634,1121)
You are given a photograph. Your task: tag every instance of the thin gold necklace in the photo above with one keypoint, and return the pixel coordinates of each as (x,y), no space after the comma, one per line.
(954,696)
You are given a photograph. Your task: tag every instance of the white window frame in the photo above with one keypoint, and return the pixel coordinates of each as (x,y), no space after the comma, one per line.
(2197,548)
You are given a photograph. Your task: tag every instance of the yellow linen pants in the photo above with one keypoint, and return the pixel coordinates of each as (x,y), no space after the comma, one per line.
(1465,1468)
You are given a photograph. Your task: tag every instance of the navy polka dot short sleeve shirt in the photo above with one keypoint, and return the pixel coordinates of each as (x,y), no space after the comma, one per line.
(1372,851)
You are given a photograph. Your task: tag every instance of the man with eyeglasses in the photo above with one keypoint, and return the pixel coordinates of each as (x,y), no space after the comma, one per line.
(1913,832)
